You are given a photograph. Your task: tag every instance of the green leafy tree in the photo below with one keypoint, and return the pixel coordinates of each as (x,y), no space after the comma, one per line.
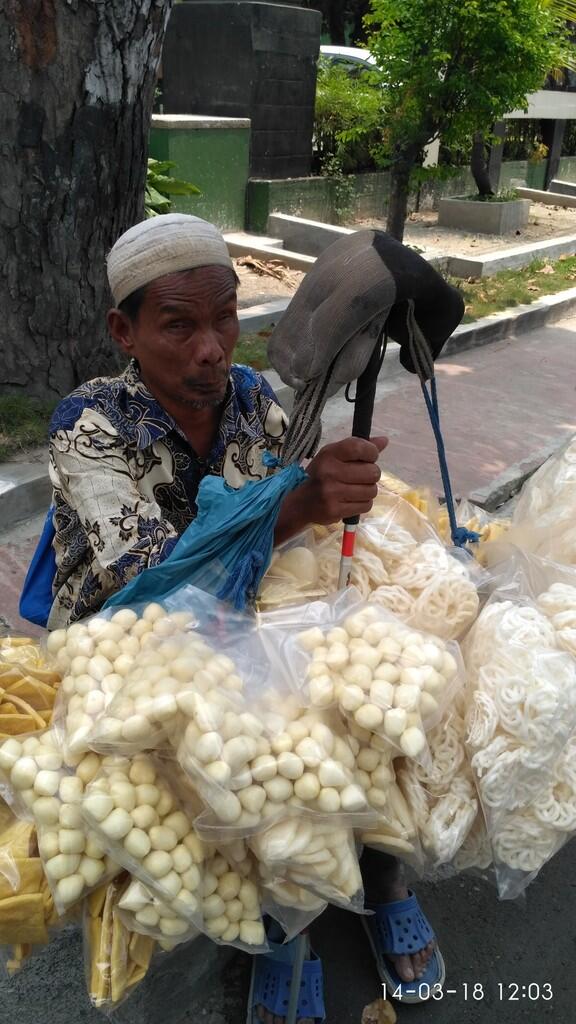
(452,69)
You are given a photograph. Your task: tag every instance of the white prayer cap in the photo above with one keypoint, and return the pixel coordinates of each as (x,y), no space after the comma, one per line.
(163,245)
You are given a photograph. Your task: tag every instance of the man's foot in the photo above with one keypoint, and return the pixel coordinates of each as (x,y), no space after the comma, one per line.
(272,976)
(269,1018)
(408,961)
(411,967)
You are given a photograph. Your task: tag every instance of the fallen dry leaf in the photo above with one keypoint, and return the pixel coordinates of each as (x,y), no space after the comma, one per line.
(533,288)
(546,270)
(271,268)
(379,1012)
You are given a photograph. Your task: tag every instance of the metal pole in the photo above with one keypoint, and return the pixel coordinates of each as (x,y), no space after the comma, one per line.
(361,427)
(297,968)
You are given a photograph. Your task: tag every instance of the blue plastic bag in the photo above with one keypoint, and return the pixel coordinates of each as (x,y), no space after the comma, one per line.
(228,547)
(37,597)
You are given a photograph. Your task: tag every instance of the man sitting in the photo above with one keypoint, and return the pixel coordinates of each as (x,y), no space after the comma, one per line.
(128,453)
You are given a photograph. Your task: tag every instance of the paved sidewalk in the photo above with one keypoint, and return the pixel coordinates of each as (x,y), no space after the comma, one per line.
(16,549)
(501,405)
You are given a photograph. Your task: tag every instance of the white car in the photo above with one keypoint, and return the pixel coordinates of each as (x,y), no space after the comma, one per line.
(351,58)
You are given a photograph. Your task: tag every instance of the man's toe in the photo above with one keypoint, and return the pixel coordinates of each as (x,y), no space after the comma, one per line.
(404,968)
(419,964)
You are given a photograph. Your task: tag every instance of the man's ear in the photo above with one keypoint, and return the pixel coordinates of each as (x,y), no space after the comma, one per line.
(121,329)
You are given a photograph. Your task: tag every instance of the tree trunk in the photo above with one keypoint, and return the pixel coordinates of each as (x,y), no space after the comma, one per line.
(403,163)
(479,166)
(361,7)
(337,22)
(76,90)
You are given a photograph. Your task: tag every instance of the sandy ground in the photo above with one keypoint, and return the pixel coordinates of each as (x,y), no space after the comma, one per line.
(422,230)
(256,288)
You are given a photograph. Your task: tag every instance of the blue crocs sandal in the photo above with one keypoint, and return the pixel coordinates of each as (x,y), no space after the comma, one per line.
(397,929)
(288,982)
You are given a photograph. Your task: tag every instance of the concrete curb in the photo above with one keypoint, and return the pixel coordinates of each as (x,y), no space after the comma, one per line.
(510,259)
(509,483)
(25,490)
(537,195)
(267,314)
(516,320)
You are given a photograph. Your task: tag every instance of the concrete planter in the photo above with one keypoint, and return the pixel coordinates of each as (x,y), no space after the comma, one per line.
(485,217)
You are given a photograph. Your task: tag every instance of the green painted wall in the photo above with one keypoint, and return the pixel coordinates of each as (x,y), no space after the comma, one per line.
(214,159)
(530,174)
(316,198)
(567,168)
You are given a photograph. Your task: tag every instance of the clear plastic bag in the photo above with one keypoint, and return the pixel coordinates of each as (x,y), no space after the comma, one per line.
(543,517)
(141,911)
(521,717)
(401,564)
(232,902)
(128,671)
(443,798)
(96,656)
(116,958)
(293,574)
(383,676)
(165,688)
(26,905)
(257,754)
(293,907)
(140,822)
(309,772)
(314,856)
(48,789)
(28,687)
(491,527)
(231,910)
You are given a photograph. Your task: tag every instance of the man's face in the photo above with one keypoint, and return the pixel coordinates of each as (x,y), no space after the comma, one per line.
(184,335)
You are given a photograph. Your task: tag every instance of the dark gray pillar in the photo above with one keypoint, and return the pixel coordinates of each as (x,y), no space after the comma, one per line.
(496,153)
(237,58)
(552,136)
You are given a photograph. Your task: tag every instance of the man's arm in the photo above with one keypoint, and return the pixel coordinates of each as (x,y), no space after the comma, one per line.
(342,481)
(126,531)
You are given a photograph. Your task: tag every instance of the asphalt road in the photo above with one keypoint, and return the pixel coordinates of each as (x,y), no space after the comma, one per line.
(531,941)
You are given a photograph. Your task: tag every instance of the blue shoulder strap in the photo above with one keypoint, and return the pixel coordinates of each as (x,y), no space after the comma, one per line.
(37,597)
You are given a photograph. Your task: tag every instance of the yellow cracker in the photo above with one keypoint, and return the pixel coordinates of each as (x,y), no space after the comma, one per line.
(141,949)
(22,920)
(16,725)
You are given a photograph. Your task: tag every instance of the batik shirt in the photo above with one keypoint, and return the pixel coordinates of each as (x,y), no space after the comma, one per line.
(125,478)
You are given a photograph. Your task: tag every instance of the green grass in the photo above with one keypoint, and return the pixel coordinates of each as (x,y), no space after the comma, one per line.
(506,196)
(23,423)
(486,295)
(251,350)
(512,288)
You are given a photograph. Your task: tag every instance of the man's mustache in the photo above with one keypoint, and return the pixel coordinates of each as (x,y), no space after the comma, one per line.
(206,383)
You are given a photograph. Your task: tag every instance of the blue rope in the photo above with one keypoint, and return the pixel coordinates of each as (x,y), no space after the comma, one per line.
(243,580)
(460,535)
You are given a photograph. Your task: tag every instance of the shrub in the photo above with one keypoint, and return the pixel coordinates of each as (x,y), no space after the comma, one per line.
(347,120)
(160,187)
